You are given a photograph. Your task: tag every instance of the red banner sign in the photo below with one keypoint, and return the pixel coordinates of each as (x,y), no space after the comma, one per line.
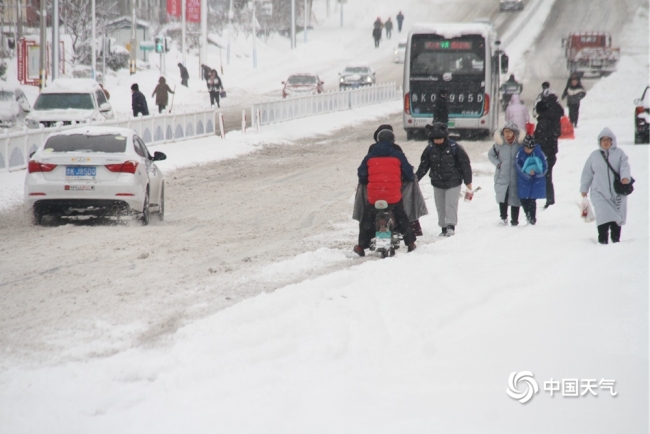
(192,10)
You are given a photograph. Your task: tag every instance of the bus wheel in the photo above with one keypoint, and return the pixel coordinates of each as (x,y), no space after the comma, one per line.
(410,135)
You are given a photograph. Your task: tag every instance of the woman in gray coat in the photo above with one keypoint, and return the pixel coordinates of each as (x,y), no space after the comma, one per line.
(610,207)
(504,155)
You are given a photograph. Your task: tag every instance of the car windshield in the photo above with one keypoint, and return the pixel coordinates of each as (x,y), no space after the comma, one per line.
(109,143)
(357,70)
(6,95)
(51,101)
(302,79)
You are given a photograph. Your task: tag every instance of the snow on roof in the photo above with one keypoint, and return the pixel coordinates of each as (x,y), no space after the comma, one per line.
(96,131)
(454,30)
(72,85)
(116,23)
(358,65)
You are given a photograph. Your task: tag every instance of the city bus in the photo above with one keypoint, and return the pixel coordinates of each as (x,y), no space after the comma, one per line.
(464,60)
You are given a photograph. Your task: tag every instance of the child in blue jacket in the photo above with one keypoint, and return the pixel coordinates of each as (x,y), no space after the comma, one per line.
(531,177)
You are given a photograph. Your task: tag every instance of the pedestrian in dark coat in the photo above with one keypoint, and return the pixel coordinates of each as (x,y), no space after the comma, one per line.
(389,28)
(184,74)
(138,102)
(161,92)
(440,109)
(206,72)
(376,34)
(400,20)
(214,87)
(449,167)
(503,155)
(547,132)
(574,92)
(597,178)
(531,177)
(106,94)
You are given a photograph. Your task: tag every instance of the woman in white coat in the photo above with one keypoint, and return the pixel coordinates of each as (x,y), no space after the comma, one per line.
(598,178)
(517,112)
(504,155)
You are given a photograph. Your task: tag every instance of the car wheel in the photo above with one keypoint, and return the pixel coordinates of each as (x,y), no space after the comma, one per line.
(146,214)
(37,215)
(410,135)
(161,208)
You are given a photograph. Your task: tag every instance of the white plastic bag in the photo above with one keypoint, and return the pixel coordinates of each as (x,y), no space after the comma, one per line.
(586,210)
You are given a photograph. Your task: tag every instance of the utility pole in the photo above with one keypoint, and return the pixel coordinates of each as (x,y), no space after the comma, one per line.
(19,21)
(93,43)
(254,36)
(55,39)
(293,24)
(341,2)
(133,41)
(231,15)
(203,42)
(328,8)
(43,46)
(183,23)
(304,24)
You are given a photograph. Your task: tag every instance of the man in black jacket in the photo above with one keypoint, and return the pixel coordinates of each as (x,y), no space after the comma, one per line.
(547,132)
(184,74)
(448,166)
(138,102)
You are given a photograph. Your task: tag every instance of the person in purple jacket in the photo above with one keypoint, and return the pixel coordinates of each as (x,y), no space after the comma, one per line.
(531,177)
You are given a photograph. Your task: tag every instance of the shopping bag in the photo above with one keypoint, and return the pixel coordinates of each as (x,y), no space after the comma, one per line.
(222,94)
(530,128)
(566,128)
(587,211)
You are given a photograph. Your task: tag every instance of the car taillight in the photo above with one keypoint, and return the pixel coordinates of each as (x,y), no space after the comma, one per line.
(35,166)
(639,110)
(126,167)
(486,104)
(407,103)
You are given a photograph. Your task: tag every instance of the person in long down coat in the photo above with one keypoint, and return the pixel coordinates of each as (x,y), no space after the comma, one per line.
(574,92)
(161,92)
(547,132)
(531,177)
(597,178)
(185,76)
(503,155)
(517,112)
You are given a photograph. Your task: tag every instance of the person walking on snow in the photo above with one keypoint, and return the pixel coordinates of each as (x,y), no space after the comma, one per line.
(206,71)
(214,87)
(574,92)
(138,102)
(503,155)
(449,167)
(376,31)
(547,132)
(598,180)
(389,28)
(531,180)
(400,20)
(184,74)
(161,92)
(517,112)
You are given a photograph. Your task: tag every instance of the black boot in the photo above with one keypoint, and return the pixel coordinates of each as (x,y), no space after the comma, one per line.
(616,232)
(603,233)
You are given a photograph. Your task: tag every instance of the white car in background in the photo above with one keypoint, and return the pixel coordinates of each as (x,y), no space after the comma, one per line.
(400,51)
(68,100)
(356,75)
(95,171)
(511,5)
(13,105)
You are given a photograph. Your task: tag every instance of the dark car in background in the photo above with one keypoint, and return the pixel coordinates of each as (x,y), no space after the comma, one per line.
(642,117)
(511,5)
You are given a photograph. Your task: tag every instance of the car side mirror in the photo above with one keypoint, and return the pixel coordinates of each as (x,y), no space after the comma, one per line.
(339,73)
(321,82)
(637,101)
(373,73)
(32,154)
(106,107)
(283,82)
(504,63)
(159,156)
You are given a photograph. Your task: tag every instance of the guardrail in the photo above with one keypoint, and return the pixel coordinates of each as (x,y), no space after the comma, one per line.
(269,112)
(16,147)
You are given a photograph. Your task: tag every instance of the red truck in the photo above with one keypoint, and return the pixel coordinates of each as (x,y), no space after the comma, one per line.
(590,52)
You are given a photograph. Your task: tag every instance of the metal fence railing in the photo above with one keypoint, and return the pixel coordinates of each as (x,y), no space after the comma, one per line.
(269,112)
(15,147)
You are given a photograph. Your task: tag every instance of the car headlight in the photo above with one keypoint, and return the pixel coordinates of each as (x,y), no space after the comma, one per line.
(369,79)
(342,79)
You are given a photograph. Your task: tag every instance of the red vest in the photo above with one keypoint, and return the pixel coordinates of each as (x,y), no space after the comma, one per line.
(384,180)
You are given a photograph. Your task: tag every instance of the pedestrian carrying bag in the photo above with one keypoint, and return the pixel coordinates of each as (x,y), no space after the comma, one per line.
(619,187)
(222,94)
(586,211)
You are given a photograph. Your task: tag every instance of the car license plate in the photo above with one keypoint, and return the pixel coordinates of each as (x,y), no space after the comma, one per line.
(80,172)
(451,124)
(79,187)
(382,235)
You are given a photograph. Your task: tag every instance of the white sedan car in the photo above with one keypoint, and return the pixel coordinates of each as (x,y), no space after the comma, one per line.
(96,171)
(400,51)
